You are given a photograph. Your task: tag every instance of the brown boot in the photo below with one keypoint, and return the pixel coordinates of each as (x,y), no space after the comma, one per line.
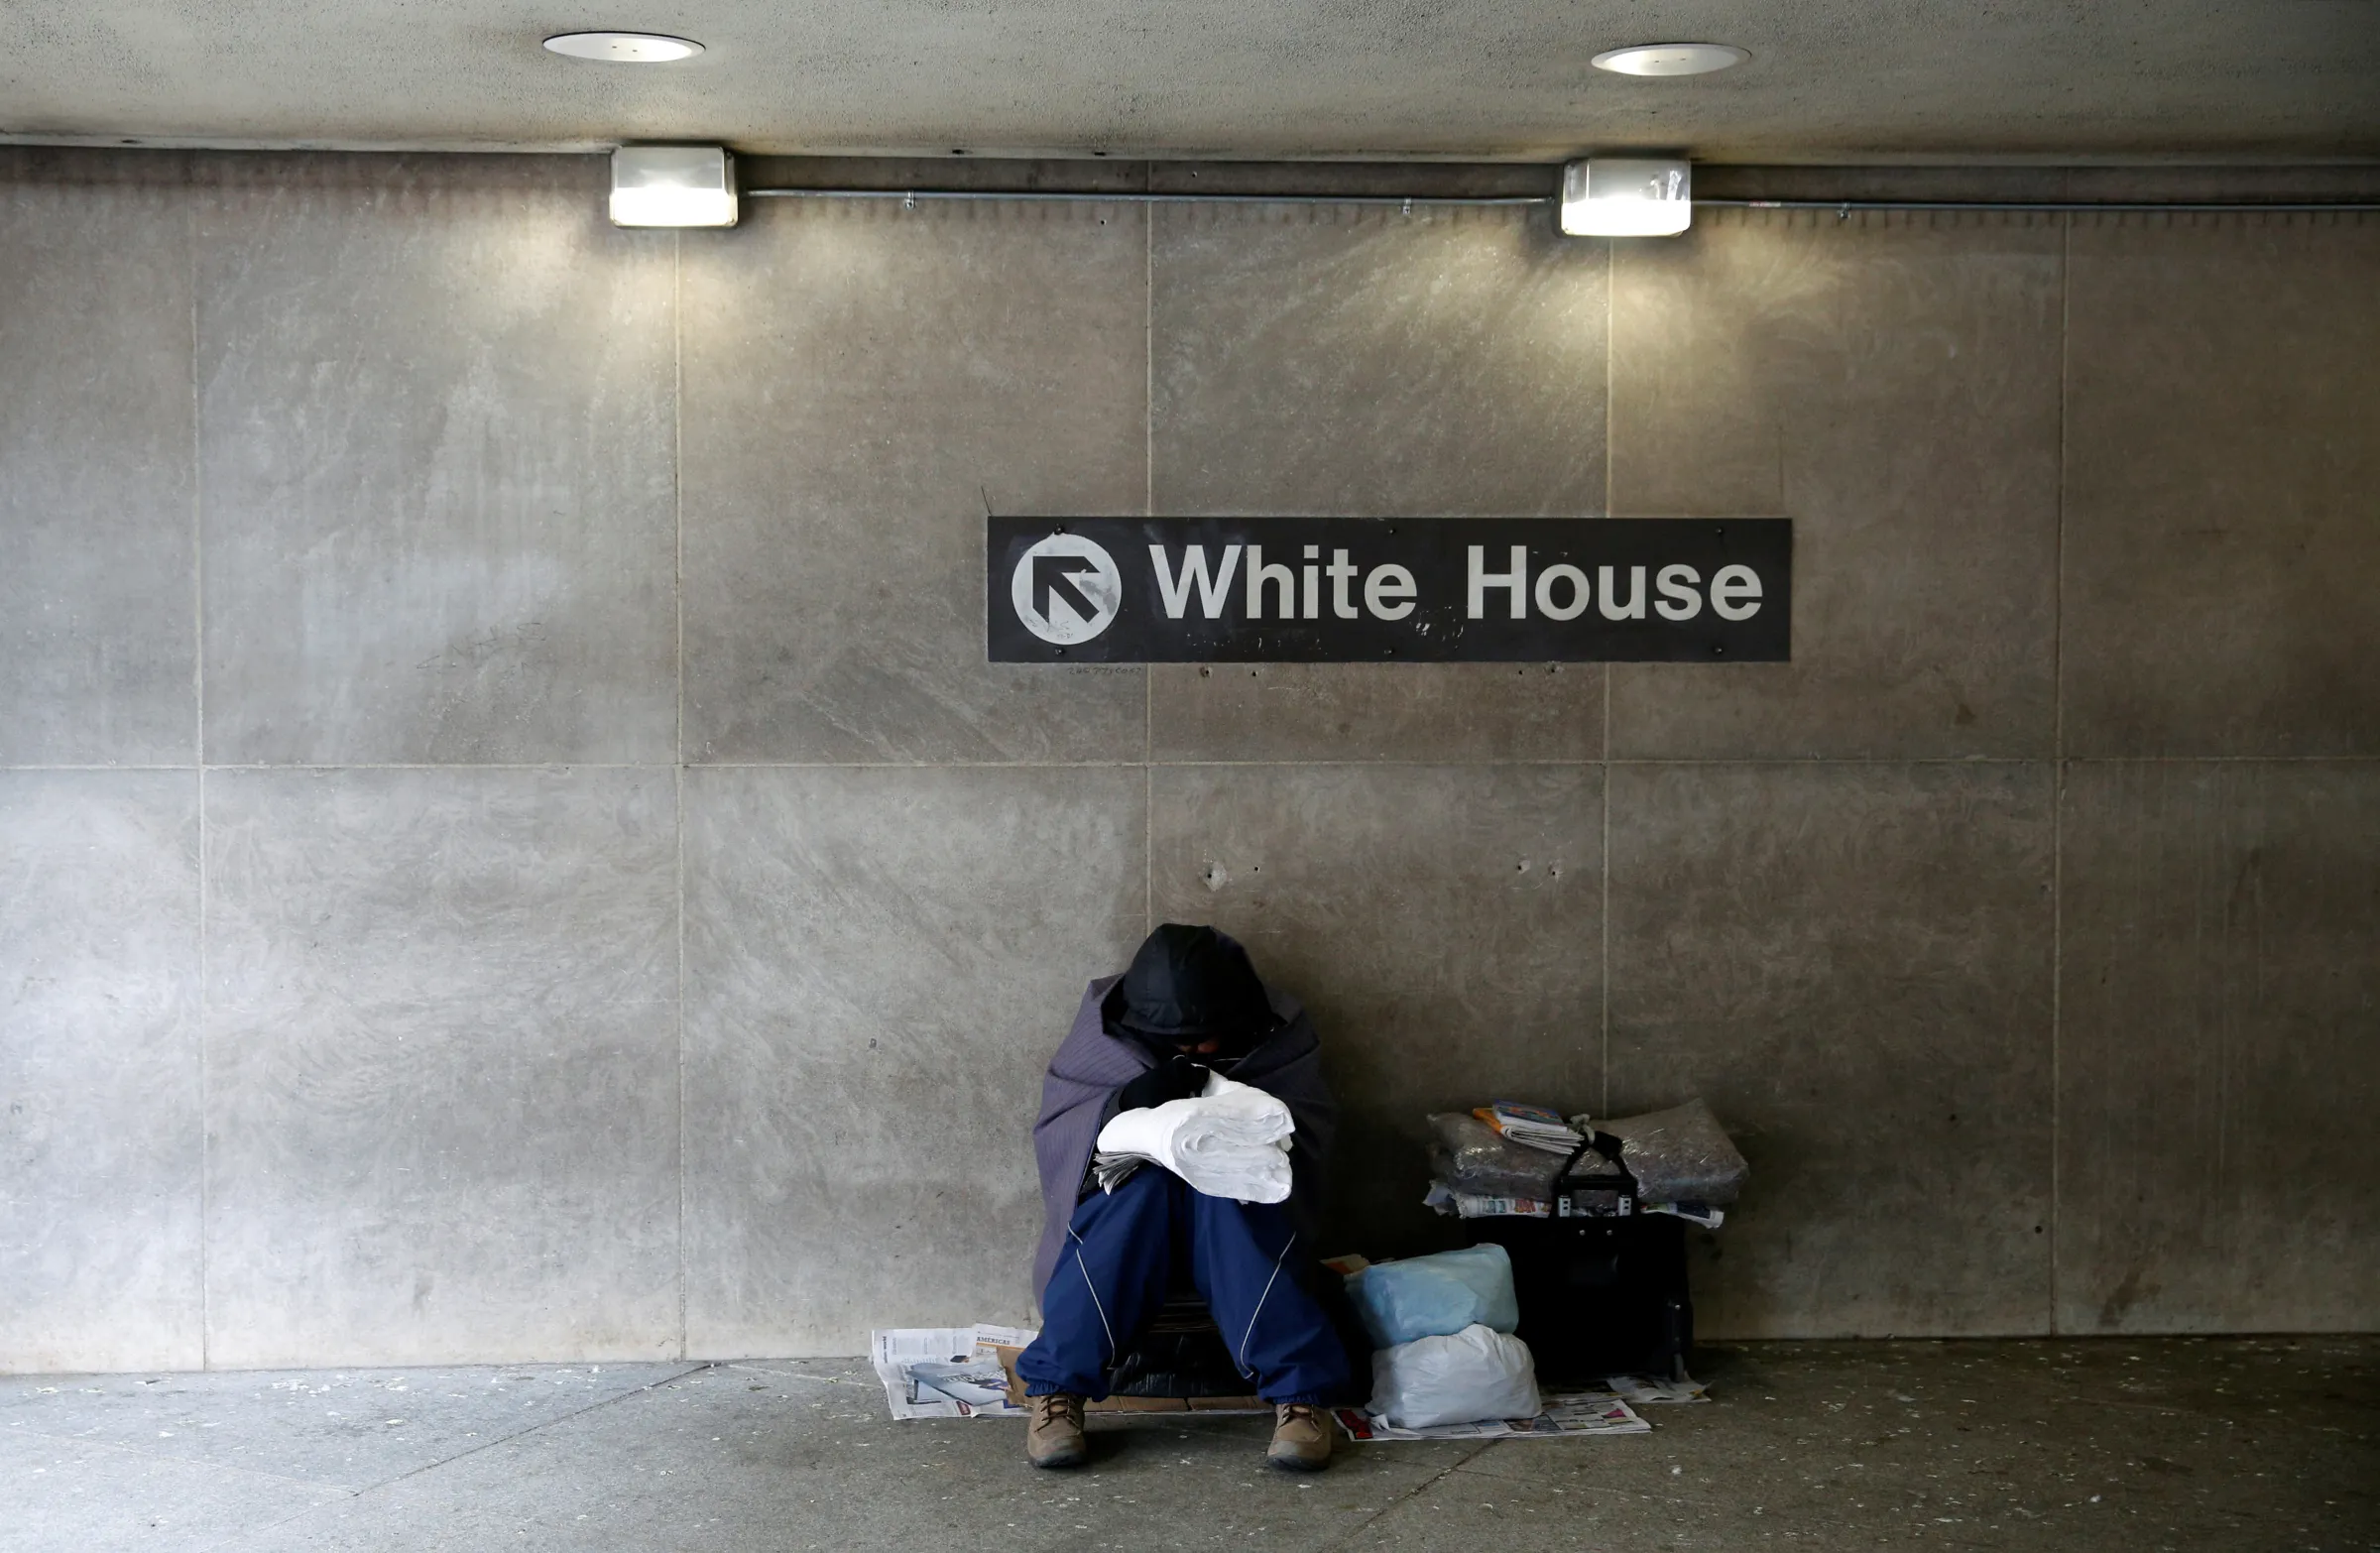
(1301,1437)
(1053,1431)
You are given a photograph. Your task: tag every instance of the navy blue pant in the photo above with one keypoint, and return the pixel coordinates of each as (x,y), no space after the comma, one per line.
(1122,1250)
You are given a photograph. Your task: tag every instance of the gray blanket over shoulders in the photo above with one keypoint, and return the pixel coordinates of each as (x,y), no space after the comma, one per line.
(1078,1096)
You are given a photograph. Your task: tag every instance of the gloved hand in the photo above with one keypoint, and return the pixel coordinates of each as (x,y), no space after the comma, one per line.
(1177,1078)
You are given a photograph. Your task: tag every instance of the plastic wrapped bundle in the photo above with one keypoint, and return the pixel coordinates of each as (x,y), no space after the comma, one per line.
(1470,1158)
(1589,1168)
(1679,1156)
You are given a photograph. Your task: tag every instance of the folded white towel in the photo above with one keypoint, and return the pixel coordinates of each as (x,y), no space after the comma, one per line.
(1231,1140)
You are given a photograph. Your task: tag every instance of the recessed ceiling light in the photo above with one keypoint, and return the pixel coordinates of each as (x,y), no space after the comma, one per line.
(624,47)
(1672,59)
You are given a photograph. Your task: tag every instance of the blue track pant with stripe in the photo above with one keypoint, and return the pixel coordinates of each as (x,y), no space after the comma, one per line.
(1123,1249)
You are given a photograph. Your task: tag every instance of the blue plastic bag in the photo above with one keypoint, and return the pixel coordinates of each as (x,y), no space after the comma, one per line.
(1436,1297)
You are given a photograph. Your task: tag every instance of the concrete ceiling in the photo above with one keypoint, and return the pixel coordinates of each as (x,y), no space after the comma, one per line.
(1829,81)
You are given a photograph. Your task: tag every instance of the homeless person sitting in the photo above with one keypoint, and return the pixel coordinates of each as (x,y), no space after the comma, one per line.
(1190,1004)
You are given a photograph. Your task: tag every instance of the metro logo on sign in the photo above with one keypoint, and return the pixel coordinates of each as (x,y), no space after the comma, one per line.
(1178,590)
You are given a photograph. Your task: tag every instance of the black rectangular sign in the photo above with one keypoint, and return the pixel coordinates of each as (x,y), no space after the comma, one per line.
(1364,590)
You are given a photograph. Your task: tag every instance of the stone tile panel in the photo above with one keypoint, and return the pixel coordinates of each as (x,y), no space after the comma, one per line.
(863,383)
(733,1456)
(443,1068)
(2222,447)
(2007,1446)
(1442,924)
(1851,963)
(1338,361)
(1416,713)
(99,1070)
(2218,1066)
(1890,383)
(71,1496)
(438,444)
(342,1428)
(97,582)
(880,965)
(1362,362)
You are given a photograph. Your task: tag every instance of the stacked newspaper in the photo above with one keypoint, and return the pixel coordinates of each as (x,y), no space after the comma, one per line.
(1229,1140)
(1539,1126)
(1486,1205)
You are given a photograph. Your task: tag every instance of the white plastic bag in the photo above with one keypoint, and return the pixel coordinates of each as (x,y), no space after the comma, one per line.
(1231,1141)
(1476,1375)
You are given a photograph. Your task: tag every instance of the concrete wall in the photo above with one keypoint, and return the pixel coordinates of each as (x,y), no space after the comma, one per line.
(510,848)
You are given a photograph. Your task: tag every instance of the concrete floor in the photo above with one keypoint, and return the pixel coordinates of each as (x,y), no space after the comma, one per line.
(2108,1445)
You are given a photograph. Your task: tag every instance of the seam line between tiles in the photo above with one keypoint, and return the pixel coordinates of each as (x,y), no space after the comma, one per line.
(677,762)
(1148,504)
(1410,1495)
(1148,830)
(692,1367)
(1611,464)
(1603,1055)
(248,1534)
(199,753)
(430,766)
(2065,281)
(1744,760)
(1149,359)
(354,1495)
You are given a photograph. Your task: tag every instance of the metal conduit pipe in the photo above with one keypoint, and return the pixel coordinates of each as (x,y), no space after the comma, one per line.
(2053,206)
(1122,197)
(1426,202)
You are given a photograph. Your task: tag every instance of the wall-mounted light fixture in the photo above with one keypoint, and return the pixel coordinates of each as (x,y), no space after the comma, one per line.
(674,185)
(1626,196)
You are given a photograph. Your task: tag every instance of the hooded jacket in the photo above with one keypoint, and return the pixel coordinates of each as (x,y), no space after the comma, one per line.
(1188,985)
(1078,1096)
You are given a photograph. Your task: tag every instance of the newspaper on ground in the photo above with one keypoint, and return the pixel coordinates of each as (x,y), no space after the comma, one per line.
(1584,1412)
(946,1371)
(956,1372)
(1571,1412)
(1641,1390)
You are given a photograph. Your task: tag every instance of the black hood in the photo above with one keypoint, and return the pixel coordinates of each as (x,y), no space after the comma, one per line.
(1189,985)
